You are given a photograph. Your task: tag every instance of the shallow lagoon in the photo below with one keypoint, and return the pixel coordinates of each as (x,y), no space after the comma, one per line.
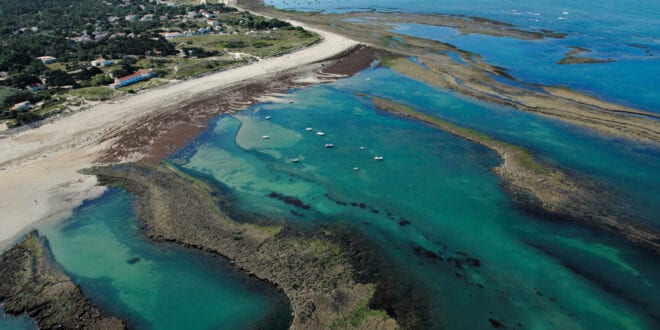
(154,285)
(436,191)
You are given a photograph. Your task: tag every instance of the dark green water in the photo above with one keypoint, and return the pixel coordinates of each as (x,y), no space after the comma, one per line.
(541,273)
(166,287)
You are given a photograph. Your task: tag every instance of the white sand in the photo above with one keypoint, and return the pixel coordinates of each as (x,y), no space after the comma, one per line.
(38,167)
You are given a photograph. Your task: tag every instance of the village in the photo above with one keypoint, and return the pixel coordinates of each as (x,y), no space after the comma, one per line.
(155,43)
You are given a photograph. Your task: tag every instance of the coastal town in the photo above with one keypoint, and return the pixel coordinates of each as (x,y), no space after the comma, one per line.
(119,47)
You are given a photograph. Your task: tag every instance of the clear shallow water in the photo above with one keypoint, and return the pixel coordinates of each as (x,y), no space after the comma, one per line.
(8,322)
(630,169)
(167,287)
(627,31)
(539,272)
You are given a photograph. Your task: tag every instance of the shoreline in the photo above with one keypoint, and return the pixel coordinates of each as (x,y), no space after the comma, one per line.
(39,176)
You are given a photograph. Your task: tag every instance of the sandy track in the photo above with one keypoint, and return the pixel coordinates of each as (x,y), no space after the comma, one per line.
(39,176)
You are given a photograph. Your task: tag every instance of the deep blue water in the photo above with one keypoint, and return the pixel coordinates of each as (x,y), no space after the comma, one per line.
(626,31)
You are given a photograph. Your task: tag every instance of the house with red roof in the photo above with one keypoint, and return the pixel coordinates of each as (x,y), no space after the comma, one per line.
(139,75)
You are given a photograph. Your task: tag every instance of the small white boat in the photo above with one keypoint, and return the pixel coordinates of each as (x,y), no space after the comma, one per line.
(356,168)
(378,158)
(329,145)
(265,137)
(320,133)
(295,160)
(362,148)
(268,117)
(308,129)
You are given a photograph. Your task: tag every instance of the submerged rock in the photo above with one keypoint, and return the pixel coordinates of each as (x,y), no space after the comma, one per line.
(31,282)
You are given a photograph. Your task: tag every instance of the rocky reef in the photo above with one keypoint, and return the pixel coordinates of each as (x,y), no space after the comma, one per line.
(314,272)
(31,282)
(542,188)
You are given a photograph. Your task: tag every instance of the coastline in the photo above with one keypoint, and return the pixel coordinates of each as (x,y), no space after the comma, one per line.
(39,167)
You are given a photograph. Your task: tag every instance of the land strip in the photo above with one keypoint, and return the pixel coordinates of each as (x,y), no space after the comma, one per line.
(39,167)
(540,186)
(313,272)
(32,282)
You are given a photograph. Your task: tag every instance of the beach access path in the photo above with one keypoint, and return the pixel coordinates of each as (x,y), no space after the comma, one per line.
(39,167)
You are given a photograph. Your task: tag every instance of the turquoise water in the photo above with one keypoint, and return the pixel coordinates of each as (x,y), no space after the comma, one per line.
(623,166)
(16,322)
(156,286)
(626,31)
(435,191)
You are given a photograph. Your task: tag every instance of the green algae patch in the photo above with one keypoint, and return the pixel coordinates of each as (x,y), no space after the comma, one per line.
(362,317)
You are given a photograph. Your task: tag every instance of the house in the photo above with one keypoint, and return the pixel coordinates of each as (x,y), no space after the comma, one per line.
(35,87)
(147,17)
(47,59)
(212,23)
(169,35)
(139,75)
(101,63)
(130,18)
(21,106)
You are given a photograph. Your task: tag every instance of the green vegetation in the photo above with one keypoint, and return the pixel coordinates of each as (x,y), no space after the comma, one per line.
(359,315)
(99,93)
(178,41)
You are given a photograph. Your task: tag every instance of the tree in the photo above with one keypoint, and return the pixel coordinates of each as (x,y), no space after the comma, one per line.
(101,80)
(21,80)
(59,78)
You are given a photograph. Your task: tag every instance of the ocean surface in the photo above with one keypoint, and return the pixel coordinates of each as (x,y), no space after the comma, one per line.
(625,31)
(431,191)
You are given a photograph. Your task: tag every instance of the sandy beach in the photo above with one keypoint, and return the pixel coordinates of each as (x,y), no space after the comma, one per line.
(39,167)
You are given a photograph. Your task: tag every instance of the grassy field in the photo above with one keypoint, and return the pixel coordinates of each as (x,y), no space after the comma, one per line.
(259,43)
(99,93)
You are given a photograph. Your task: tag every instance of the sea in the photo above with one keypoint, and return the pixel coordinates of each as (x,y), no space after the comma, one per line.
(430,191)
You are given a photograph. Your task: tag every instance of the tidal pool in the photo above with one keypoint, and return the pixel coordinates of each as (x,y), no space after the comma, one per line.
(156,285)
